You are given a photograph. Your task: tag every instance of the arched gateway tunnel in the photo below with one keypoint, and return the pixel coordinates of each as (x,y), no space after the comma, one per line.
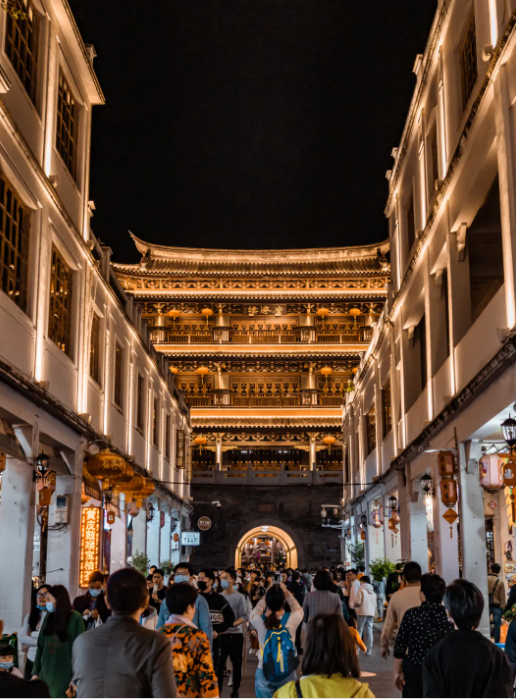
(265,524)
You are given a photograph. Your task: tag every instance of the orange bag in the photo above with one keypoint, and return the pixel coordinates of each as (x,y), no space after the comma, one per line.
(503,632)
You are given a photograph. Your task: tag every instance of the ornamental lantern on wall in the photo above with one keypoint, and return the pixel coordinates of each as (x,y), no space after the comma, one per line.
(447,467)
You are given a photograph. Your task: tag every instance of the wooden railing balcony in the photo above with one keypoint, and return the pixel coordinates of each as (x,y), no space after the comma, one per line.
(261,477)
(225,400)
(257,337)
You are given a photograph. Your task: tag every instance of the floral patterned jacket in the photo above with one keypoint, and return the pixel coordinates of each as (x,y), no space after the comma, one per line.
(193,666)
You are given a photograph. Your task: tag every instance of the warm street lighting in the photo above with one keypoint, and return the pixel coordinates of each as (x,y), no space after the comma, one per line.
(393,503)
(202,371)
(355,312)
(329,440)
(323,312)
(42,461)
(151,512)
(207,312)
(509,432)
(427,484)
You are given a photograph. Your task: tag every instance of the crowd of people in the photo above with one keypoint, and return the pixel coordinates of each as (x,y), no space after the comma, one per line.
(131,636)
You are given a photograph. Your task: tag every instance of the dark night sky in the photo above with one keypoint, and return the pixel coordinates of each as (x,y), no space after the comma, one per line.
(248,123)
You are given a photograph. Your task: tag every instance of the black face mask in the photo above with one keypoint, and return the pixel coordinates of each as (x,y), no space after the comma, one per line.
(202,584)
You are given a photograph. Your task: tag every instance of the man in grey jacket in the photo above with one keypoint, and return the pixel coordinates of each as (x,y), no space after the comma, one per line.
(122,658)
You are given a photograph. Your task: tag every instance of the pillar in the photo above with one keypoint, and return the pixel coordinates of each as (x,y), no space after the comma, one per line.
(64,544)
(446,543)
(218,455)
(119,539)
(313,451)
(404,524)
(164,551)
(153,536)
(17,516)
(418,532)
(472,524)
(139,523)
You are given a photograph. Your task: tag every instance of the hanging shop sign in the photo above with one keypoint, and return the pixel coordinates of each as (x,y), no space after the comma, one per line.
(190,539)
(204,523)
(90,543)
(110,517)
(180,449)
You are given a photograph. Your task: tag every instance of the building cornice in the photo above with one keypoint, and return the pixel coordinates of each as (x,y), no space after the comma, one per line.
(262,423)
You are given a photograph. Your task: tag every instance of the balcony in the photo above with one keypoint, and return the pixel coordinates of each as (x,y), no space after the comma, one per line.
(224,399)
(165,335)
(267,478)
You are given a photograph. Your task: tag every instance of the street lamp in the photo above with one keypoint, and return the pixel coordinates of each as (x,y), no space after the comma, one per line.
(393,503)
(150,512)
(509,432)
(363,520)
(42,461)
(427,484)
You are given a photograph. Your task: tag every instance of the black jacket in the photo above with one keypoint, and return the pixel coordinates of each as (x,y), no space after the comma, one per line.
(84,602)
(510,644)
(467,664)
(221,614)
(298,591)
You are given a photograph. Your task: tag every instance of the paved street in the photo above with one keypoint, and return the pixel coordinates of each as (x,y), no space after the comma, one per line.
(381,683)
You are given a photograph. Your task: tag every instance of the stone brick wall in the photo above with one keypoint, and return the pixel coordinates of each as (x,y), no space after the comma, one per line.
(296,509)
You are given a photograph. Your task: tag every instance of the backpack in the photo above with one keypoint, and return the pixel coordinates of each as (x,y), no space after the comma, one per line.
(279,652)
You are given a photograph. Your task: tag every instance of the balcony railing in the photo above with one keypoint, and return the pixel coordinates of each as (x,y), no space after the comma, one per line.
(168,335)
(266,478)
(226,400)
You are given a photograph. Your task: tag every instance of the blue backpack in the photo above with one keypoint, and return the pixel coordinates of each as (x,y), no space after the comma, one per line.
(279,652)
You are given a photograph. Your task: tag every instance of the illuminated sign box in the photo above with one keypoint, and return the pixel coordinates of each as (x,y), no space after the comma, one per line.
(190,538)
(90,543)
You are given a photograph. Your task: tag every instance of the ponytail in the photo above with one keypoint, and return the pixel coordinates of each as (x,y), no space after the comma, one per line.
(275,601)
(272,621)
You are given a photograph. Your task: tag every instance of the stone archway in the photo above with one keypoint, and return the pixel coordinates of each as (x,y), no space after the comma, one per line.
(277,530)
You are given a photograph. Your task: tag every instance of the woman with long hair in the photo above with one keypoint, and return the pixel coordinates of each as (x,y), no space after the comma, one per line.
(330,664)
(32,626)
(60,628)
(274,626)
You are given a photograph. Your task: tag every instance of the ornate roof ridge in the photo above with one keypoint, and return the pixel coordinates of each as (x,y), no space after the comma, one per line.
(258,257)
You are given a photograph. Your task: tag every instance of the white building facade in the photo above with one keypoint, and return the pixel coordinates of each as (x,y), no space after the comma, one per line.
(78,373)
(440,373)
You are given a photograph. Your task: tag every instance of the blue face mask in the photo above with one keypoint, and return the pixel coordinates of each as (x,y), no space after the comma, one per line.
(42,607)
(6,666)
(50,606)
(224,584)
(181,578)
(94,593)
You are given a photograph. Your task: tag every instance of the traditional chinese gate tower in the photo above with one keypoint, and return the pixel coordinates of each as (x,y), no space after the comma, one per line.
(263,343)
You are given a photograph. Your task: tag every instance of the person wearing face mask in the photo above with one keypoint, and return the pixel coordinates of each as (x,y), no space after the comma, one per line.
(232,640)
(221,614)
(158,591)
(92,605)
(31,627)
(61,626)
(7,661)
(183,573)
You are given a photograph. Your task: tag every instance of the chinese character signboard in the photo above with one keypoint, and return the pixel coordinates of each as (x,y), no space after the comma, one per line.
(90,543)
(190,539)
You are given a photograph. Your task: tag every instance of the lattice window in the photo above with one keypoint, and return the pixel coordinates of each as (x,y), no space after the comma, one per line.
(119,356)
(468,62)
(155,421)
(370,420)
(60,312)
(22,44)
(95,348)
(167,437)
(386,409)
(67,126)
(14,244)
(411,224)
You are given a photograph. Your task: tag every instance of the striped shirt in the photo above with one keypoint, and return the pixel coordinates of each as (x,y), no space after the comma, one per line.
(321,602)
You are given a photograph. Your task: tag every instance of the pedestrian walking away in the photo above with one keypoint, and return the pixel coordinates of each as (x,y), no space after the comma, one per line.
(466,663)
(330,665)
(122,658)
(364,603)
(400,602)
(497,598)
(276,630)
(421,629)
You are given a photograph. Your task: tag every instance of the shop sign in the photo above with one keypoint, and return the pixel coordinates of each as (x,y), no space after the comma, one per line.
(190,539)
(180,449)
(204,524)
(90,543)
(110,517)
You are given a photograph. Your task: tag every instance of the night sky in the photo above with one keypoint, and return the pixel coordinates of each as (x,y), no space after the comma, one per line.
(248,123)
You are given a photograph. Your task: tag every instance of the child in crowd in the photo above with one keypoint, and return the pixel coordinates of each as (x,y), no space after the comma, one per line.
(7,662)
(352,623)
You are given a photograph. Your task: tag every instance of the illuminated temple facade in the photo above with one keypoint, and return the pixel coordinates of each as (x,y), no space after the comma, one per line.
(264,345)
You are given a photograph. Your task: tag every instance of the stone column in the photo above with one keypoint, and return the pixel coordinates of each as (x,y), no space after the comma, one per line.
(446,544)
(218,454)
(418,532)
(119,539)
(139,544)
(379,419)
(313,451)
(153,536)
(164,551)
(472,524)
(17,516)
(404,512)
